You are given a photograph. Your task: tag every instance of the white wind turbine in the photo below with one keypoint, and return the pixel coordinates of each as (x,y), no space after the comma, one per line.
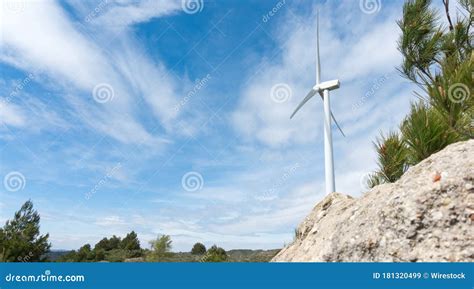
(323,89)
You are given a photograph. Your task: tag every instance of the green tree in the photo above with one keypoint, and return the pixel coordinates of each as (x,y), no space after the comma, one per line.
(439,59)
(85,254)
(130,242)
(69,257)
(160,248)
(99,254)
(20,237)
(198,249)
(114,242)
(103,244)
(215,254)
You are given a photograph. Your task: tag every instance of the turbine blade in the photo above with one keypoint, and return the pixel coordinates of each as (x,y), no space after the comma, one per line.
(310,94)
(333,118)
(335,121)
(318,61)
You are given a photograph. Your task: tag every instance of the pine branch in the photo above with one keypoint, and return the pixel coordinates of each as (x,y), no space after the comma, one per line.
(446,9)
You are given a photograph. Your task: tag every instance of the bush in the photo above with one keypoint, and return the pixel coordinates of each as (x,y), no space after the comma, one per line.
(198,249)
(114,249)
(215,254)
(425,133)
(99,255)
(85,254)
(392,156)
(69,257)
(160,249)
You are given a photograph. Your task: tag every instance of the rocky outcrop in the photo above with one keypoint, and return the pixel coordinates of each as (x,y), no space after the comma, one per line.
(427,215)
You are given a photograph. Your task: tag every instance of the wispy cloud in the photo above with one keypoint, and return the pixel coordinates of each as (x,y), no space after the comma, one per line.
(106,92)
(75,62)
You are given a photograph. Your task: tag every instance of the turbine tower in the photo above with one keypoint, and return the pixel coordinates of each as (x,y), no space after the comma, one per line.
(323,88)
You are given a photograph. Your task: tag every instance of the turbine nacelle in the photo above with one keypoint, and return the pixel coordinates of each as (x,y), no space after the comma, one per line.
(327,85)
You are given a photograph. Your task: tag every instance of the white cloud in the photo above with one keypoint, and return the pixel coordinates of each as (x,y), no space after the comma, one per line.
(110,221)
(349,58)
(72,61)
(11,114)
(228,210)
(124,13)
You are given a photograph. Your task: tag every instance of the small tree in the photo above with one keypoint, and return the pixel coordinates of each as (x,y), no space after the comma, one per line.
(85,254)
(215,254)
(103,244)
(114,242)
(99,255)
(130,242)
(160,248)
(20,237)
(198,249)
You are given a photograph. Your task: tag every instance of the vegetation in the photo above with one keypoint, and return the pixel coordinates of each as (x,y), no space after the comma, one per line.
(440,61)
(130,242)
(425,133)
(391,158)
(114,249)
(198,249)
(215,254)
(160,249)
(20,239)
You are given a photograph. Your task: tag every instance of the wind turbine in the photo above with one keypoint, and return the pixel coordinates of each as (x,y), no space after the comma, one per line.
(323,88)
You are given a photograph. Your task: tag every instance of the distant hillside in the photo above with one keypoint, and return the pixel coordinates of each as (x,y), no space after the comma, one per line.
(54,255)
(239,255)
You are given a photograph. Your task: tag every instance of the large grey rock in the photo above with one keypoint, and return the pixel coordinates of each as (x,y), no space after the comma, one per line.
(427,215)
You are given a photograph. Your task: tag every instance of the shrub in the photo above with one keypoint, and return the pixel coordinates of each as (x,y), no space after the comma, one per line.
(160,249)
(99,255)
(85,254)
(392,158)
(215,254)
(198,249)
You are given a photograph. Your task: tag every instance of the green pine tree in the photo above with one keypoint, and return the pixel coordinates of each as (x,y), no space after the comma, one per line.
(20,239)
(439,59)
(130,242)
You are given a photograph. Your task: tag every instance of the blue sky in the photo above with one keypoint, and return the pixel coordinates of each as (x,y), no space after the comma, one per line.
(157,117)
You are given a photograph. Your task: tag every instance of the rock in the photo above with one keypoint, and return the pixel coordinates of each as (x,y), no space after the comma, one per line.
(135,260)
(411,220)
